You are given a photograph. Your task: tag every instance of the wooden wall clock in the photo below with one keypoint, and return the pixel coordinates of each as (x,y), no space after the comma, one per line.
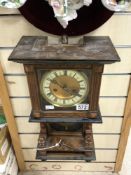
(64,83)
(64,80)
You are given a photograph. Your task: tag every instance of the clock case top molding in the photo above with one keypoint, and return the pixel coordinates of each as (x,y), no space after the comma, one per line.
(89,54)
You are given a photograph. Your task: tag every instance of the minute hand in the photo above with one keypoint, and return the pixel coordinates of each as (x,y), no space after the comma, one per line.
(70,91)
(66,89)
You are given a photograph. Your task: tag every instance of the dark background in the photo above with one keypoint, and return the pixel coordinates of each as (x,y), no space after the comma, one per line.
(40,14)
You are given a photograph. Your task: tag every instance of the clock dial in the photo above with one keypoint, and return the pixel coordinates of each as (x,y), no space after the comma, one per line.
(64,88)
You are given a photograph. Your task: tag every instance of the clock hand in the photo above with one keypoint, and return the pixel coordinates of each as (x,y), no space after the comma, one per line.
(66,89)
(70,91)
(56,82)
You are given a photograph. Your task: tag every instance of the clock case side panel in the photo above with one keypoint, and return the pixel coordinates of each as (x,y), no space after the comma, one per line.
(97,71)
(33,88)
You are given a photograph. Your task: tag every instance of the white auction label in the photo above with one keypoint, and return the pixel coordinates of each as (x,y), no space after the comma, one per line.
(82,107)
(49,107)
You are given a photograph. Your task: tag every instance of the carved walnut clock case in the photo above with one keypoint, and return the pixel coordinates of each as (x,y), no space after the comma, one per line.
(64,82)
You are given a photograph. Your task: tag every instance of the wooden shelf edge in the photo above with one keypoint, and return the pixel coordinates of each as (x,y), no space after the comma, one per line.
(126,125)
(7,108)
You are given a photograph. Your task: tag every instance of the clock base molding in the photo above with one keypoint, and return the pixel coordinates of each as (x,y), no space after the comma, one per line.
(90,156)
(70,144)
(65,114)
(74,119)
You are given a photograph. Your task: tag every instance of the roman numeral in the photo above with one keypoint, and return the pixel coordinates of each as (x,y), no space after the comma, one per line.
(55,99)
(55,73)
(48,79)
(82,88)
(79,95)
(48,94)
(65,72)
(74,75)
(80,81)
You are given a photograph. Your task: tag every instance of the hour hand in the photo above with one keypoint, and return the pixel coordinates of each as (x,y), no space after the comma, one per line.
(56,82)
(65,88)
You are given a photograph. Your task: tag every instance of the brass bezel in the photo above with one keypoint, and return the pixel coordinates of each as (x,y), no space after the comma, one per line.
(56,104)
